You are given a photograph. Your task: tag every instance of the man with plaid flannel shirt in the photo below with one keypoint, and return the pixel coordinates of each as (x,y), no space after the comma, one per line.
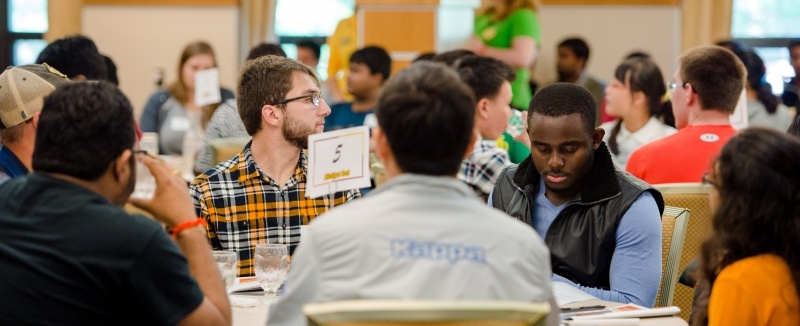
(259,195)
(490,80)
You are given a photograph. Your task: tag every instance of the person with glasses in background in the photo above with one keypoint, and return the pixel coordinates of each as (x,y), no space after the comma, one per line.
(704,93)
(751,261)
(258,196)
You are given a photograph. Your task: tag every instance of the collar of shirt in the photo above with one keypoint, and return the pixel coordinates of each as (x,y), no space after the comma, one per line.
(10,164)
(248,164)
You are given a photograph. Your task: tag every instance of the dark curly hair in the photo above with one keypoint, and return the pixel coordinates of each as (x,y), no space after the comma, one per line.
(759,204)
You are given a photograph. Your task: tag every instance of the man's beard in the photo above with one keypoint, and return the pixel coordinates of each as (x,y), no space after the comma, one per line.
(296,133)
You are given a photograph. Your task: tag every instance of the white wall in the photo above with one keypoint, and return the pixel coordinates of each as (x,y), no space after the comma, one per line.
(142,38)
(611,32)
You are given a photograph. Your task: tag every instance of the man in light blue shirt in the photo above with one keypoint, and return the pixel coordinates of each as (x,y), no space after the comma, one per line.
(602,225)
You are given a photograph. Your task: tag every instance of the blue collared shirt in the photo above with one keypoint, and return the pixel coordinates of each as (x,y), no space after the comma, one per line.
(10,166)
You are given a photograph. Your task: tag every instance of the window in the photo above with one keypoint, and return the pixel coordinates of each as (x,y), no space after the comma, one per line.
(314,20)
(768,26)
(25,22)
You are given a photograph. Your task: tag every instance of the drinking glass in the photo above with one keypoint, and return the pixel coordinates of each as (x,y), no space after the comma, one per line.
(226,262)
(272,264)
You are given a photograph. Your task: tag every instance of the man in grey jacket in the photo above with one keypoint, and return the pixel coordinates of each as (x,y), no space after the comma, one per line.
(424,234)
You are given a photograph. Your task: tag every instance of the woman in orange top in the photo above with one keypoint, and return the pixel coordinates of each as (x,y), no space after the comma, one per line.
(752,261)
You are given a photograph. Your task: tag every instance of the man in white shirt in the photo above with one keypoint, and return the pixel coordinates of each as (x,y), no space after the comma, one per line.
(424,234)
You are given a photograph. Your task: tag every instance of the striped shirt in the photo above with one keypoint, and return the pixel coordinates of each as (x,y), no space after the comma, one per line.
(245,207)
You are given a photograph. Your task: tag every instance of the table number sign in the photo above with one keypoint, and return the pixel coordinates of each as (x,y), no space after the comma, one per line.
(338,161)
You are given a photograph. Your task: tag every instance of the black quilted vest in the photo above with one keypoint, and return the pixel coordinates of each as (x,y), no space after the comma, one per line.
(582,238)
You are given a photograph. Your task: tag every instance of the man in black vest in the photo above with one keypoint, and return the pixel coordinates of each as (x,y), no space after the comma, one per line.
(602,225)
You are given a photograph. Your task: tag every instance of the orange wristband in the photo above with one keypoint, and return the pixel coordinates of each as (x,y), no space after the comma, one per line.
(187,225)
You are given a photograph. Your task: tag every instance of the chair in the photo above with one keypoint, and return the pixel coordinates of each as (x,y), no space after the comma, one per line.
(426,312)
(673,230)
(694,197)
(222,149)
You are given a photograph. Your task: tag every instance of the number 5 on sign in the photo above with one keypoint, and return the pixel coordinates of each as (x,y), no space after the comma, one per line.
(338,161)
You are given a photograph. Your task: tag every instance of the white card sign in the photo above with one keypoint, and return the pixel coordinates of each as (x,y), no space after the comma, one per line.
(206,87)
(739,119)
(338,161)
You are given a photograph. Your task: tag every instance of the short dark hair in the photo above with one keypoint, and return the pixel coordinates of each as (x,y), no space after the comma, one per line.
(265,49)
(265,80)
(374,57)
(311,45)
(427,56)
(484,75)
(578,46)
(73,56)
(716,75)
(450,57)
(562,99)
(111,68)
(427,101)
(83,127)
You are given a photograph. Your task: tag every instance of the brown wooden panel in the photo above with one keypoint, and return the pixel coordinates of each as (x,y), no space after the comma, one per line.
(400,30)
(163,2)
(612,2)
(399,65)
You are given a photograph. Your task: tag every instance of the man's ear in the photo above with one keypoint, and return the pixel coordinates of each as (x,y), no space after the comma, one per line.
(79,78)
(380,144)
(122,166)
(35,120)
(597,137)
(482,109)
(272,115)
(691,97)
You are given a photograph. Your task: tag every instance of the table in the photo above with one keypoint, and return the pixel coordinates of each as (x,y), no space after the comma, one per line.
(249,316)
(660,321)
(258,315)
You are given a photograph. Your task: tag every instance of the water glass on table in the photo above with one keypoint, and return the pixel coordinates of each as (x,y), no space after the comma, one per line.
(226,262)
(272,264)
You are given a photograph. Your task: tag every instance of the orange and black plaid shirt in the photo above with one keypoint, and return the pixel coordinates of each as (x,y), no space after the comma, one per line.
(245,207)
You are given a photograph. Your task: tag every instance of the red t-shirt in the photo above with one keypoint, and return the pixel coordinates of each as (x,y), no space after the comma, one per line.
(682,157)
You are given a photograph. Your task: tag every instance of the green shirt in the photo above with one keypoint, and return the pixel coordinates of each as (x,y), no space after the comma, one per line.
(517,152)
(522,22)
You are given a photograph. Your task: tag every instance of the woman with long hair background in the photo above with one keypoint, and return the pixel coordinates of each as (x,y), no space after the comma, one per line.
(763,108)
(172,112)
(635,98)
(752,260)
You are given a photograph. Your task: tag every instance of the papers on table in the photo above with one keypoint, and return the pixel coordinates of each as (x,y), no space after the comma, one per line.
(566,294)
(628,314)
(245,284)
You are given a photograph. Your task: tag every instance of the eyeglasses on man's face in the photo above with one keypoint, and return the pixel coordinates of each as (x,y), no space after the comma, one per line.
(672,86)
(315,99)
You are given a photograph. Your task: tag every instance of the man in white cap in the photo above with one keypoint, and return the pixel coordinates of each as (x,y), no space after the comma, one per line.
(22,90)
